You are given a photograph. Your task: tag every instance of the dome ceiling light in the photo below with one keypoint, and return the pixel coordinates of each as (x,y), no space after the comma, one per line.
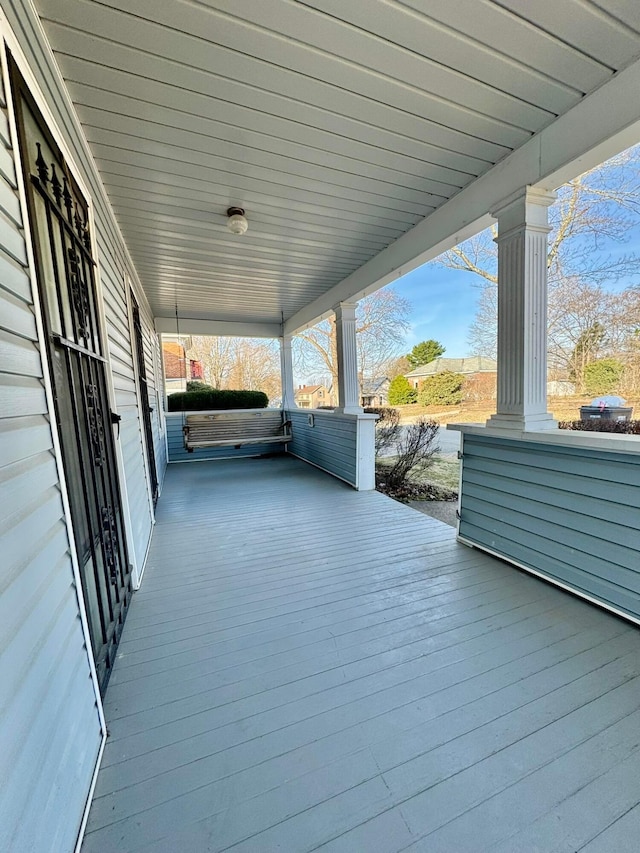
(237,221)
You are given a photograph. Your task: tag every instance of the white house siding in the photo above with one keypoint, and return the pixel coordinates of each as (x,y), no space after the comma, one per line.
(125,392)
(50,732)
(152,356)
(114,267)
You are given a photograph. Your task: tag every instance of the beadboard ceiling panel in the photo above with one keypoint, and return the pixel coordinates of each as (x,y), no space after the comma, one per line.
(339,125)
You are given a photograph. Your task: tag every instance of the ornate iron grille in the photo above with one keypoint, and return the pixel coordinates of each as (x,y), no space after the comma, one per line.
(59,217)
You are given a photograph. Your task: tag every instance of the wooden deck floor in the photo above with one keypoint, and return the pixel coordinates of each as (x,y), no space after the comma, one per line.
(307,667)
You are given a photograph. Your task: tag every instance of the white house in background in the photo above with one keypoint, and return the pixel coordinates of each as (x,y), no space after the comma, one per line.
(361,140)
(469,367)
(560,388)
(375,392)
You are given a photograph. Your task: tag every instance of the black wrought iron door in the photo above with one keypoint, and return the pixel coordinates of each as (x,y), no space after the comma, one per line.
(145,407)
(59,218)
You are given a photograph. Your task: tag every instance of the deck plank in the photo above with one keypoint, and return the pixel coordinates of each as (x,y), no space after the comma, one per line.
(308,667)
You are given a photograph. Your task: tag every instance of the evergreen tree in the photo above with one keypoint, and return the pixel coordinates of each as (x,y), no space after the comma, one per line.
(586,350)
(424,352)
(603,376)
(401,392)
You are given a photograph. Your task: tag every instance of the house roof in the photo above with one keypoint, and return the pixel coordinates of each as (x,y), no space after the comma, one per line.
(361,138)
(473,364)
(371,386)
(309,389)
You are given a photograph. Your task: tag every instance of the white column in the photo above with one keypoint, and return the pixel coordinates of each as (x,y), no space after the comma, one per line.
(522,312)
(347,354)
(286,373)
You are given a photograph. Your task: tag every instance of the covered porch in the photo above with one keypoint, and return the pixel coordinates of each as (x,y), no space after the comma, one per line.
(307,666)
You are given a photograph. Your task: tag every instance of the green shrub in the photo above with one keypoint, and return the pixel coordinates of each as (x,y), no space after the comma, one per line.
(401,392)
(602,376)
(599,425)
(198,385)
(196,401)
(443,389)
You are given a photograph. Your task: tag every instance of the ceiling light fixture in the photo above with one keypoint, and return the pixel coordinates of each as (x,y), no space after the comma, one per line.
(237,221)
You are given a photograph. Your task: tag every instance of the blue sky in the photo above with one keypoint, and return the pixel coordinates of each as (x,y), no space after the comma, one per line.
(443,305)
(443,301)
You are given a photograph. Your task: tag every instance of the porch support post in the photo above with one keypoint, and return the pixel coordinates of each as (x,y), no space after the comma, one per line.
(348,386)
(286,373)
(522,312)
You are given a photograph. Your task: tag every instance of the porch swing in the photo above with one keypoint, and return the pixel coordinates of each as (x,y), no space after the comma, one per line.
(235,428)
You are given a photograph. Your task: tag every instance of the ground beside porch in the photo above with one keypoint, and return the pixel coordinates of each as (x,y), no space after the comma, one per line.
(309,667)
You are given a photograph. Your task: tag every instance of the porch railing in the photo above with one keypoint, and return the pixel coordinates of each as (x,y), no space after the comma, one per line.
(341,445)
(564,506)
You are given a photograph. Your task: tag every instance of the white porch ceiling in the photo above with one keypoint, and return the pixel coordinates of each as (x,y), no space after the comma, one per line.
(337,124)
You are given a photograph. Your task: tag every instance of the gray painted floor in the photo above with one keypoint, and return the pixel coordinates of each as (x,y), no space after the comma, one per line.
(307,667)
(441,510)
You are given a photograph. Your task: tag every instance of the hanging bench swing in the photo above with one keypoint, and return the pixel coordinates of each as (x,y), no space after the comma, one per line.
(236,428)
(233,428)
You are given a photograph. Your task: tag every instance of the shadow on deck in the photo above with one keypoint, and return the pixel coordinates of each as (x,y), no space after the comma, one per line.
(311,667)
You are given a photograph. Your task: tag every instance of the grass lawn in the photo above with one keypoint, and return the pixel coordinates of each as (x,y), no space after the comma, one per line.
(563,408)
(444,473)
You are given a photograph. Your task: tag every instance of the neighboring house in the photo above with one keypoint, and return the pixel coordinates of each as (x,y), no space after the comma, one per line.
(560,388)
(375,391)
(178,369)
(470,367)
(312,396)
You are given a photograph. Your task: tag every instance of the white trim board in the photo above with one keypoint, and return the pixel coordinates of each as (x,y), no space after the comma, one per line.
(221,328)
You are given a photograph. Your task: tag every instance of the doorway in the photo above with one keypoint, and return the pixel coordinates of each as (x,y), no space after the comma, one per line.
(65,270)
(146,409)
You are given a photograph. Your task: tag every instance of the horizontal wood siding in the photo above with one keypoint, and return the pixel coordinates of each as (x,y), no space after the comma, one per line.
(571,514)
(152,358)
(114,267)
(177,452)
(126,392)
(331,443)
(50,731)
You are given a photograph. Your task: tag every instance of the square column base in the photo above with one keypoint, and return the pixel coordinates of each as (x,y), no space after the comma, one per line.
(523,423)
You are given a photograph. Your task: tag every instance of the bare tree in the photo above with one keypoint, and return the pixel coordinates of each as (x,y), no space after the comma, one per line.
(256,367)
(602,203)
(216,356)
(382,323)
(242,363)
(388,427)
(398,366)
(416,445)
(629,344)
